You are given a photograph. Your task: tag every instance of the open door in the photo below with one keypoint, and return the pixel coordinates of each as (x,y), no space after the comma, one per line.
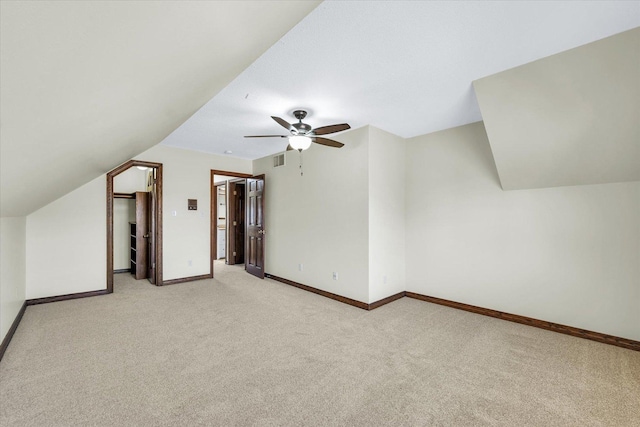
(255,233)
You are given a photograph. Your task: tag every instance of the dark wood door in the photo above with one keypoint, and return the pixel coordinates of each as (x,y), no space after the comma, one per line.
(235,222)
(255,233)
(151,234)
(141,236)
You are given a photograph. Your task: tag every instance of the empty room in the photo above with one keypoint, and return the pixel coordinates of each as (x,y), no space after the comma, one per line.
(320,213)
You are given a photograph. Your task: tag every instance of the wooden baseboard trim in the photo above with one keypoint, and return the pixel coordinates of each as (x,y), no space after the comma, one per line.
(187,279)
(386,300)
(12,330)
(66,297)
(555,327)
(340,298)
(333,296)
(122,270)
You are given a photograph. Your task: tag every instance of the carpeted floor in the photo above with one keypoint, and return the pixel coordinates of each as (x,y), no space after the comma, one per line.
(240,351)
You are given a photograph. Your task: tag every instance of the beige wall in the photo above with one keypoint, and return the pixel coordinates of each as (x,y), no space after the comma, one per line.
(66,239)
(567,255)
(130,181)
(187,175)
(320,219)
(66,243)
(386,214)
(12,270)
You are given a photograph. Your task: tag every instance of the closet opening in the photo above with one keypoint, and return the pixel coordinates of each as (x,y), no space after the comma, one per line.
(134,222)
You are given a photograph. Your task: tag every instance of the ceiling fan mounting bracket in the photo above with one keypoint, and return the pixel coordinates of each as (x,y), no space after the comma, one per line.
(300,114)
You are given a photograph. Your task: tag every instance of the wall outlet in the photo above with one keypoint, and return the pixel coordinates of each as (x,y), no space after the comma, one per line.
(384,279)
(300,267)
(190,262)
(335,275)
(174,213)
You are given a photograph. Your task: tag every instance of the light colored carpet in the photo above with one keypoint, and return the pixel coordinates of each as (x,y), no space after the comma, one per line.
(240,351)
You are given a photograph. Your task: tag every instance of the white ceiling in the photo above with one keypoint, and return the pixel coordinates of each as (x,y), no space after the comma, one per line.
(403,66)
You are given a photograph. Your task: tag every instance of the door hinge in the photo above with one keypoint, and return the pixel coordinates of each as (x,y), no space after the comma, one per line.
(235,193)
(235,223)
(234,254)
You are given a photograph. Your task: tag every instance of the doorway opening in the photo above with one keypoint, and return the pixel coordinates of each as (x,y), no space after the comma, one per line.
(228,195)
(134,221)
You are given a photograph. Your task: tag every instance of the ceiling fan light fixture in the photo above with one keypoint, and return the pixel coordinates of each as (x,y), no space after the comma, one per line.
(299,142)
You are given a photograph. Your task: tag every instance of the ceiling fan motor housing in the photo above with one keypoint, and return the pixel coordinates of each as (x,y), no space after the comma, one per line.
(300,128)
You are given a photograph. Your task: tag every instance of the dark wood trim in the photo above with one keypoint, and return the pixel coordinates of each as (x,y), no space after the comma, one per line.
(187,279)
(159,225)
(355,303)
(66,297)
(110,199)
(12,330)
(555,327)
(122,270)
(111,196)
(386,300)
(213,220)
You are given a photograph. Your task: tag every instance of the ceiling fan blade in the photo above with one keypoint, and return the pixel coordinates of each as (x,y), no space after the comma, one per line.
(266,136)
(330,129)
(327,142)
(282,123)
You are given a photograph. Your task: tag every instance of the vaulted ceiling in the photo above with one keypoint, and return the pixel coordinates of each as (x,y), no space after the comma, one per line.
(403,66)
(86,86)
(568,119)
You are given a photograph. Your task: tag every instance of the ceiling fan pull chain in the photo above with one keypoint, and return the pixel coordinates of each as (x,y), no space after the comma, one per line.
(301,173)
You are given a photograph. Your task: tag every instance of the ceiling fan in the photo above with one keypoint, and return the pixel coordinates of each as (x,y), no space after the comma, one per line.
(302,135)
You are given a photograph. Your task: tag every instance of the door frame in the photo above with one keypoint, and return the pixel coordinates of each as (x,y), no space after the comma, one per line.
(213,238)
(158,238)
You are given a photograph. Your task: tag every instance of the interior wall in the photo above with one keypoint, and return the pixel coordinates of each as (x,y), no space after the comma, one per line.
(12,270)
(130,181)
(66,239)
(187,175)
(66,243)
(320,219)
(568,255)
(386,214)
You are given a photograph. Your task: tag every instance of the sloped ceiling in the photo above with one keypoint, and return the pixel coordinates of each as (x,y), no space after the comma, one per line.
(568,119)
(403,66)
(86,86)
